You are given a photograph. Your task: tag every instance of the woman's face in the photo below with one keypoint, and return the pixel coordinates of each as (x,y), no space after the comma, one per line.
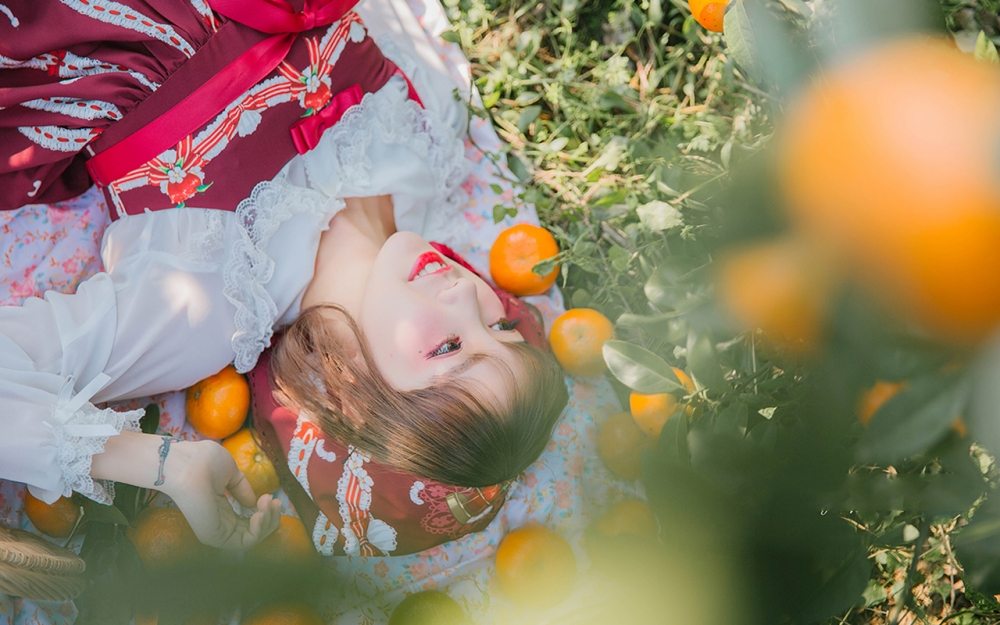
(425,316)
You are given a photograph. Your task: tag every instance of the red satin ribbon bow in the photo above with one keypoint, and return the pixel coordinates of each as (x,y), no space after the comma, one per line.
(275,17)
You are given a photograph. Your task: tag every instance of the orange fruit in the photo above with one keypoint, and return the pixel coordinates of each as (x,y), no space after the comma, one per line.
(709,13)
(890,161)
(217,406)
(163,538)
(651,411)
(428,607)
(289,543)
(630,517)
(147,619)
(873,399)
(515,252)
(780,287)
(577,338)
(620,443)
(284,613)
(535,566)
(56,519)
(252,460)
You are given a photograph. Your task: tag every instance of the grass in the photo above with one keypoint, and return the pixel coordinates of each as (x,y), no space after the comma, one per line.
(626,121)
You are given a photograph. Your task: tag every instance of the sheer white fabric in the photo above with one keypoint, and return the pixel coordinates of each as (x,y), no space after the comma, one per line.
(186,292)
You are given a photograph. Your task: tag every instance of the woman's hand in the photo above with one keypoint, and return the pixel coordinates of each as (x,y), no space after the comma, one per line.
(196,475)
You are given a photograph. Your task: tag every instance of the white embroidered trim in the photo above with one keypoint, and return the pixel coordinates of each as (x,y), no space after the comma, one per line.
(415,490)
(206,244)
(249,268)
(75,107)
(74,66)
(389,116)
(80,431)
(325,535)
(59,139)
(300,450)
(111,12)
(13,20)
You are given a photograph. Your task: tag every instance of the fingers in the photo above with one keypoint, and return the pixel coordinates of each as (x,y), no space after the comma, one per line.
(265,520)
(239,487)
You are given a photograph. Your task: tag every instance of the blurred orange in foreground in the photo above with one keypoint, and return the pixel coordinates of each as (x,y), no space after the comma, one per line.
(252,460)
(290,543)
(515,251)
(577,338)
(56,519)
(163,538)
(428,607)
(881,392)
(891,161)
(779,286)
(535,566)
(709,13)
(217,406)
(286,613)
(651,411)
(631,518)
(620,444)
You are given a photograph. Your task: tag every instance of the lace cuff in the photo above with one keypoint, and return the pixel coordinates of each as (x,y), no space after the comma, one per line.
(81,430)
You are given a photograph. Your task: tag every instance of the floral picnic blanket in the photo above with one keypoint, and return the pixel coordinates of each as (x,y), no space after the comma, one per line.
(55,247)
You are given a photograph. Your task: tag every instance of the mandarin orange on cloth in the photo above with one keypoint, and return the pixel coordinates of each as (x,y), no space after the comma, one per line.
(891,162)
(631,518)
(252,461)
(620,443)
(218,405)
(515,251)
(429,607)
(535,566)
(163,538)
(577,338)
(709,13)
(651,411)
(290,542)
(56,519)
(284,613)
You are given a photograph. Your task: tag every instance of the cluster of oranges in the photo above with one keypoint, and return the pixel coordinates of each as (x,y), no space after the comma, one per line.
(888,169)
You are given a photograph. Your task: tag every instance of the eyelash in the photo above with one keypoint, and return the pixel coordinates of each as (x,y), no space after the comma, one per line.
(451,344)
(505,325)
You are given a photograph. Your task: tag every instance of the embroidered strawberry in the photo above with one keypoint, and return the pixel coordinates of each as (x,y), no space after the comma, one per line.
(182,185)
(317,94)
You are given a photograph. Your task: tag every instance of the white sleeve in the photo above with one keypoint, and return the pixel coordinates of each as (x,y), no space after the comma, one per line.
(152,324)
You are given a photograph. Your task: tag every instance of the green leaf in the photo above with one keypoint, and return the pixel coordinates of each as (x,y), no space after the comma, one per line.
(204,187)
(673,440)
(913,420)
(619,257)
(100,513)
(741,39)
(703,362)
(491,99)
(151,420)
(545,267)
(496,188)
(666,327)
(528,116)
(613,101)
(659,216)
(640,369)
(518,168)
(985,49)
(733,420)
(499,212)
(451,36)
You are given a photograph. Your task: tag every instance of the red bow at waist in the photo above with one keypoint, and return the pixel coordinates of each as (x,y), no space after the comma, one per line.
(274,17)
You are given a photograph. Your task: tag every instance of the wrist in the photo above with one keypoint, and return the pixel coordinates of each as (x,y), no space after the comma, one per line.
(142,460)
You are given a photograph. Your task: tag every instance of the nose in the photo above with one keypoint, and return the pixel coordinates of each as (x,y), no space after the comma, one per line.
(463,292)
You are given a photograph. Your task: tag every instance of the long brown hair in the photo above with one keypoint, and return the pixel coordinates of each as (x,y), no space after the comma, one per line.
(453,431)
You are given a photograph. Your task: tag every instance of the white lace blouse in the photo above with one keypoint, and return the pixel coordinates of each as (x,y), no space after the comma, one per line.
(187,291)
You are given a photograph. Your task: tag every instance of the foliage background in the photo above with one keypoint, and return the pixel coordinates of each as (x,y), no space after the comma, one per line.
(642,144)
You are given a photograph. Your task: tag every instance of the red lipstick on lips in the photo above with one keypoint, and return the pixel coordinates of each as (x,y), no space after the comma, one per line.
(425,259)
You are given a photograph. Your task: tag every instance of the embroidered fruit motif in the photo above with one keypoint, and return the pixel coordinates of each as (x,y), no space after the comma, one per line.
(620,443)
(285,613)
(577,338)
(908,197)
(535,566)
(515,252)
(709,13)
(631,518)
(651,411)
(316,97)
(428,607)
(56,519)
(163,538)
(289,543)
(252,461)
(180,191)
(217,406)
